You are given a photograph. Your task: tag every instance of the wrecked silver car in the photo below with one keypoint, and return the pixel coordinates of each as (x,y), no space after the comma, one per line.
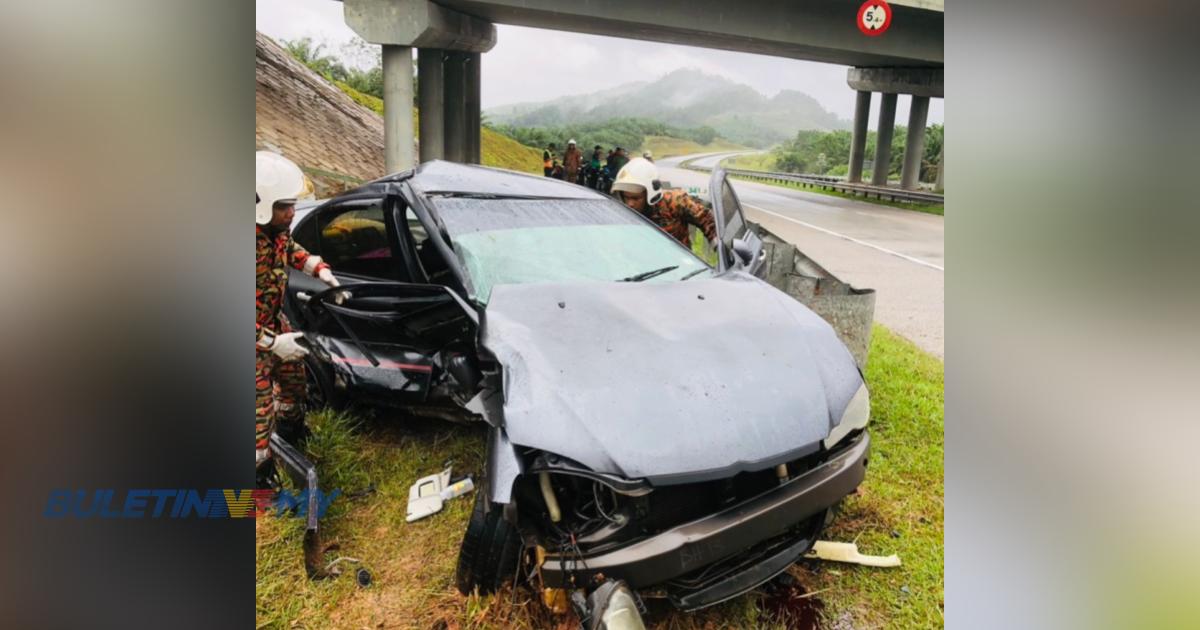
(684,428)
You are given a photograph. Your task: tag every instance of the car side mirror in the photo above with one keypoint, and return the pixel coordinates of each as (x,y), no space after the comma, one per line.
(744,250)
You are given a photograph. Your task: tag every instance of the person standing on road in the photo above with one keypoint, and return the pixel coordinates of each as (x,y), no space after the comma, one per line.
(279,383)
(548,158)
(638,186)
(593,167)
(616,162)
(572,159)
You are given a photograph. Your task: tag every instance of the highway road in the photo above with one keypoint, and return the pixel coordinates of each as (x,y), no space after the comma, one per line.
(899,253)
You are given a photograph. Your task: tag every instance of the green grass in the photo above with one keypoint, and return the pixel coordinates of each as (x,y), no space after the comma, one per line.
(495,149)
(751,162)
(929,208)
(667,146)
(899,508)
(413,564)
(501,151)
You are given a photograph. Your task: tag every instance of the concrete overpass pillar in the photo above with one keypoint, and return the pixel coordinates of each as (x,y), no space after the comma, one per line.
(397,108)
(914,144)
(400,25)
(858,142)
(883,139)
(473,79)
(456,107)
(941,183)
(430,91)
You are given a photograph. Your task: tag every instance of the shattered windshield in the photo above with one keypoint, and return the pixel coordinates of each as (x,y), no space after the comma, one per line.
(519,241)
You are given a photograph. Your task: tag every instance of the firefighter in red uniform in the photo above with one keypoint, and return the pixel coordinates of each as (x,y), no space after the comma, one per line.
(673,210)
(279,384)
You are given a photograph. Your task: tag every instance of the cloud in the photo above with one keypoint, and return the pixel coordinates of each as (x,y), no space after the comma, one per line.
(530,64)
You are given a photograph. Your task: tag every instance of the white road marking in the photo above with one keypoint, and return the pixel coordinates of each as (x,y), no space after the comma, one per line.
(885,250)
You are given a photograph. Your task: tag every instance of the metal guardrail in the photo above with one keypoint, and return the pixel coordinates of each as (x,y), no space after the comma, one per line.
(831,183)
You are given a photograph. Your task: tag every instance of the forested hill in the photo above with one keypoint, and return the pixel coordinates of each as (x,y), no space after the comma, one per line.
(683,98)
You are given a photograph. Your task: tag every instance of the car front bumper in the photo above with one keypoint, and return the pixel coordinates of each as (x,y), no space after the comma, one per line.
(743,529)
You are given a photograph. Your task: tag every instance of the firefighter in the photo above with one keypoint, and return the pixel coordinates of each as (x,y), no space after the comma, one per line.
(572,159)
(279,385)
(637,185)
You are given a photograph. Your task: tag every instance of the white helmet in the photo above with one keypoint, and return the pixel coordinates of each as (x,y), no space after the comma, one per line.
(571,141)
(640,174)
(648,155)
(276,179)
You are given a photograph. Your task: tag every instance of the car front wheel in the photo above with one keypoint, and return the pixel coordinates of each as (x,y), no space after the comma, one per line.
(320,390)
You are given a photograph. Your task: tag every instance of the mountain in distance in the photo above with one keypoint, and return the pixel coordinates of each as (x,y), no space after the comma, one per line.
(684,98)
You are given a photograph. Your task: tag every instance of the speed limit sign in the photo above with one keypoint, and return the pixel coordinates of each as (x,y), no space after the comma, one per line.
(874,17)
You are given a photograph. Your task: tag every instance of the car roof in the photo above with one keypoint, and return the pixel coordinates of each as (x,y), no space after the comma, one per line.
(442,177)
(304,207)
(439,176)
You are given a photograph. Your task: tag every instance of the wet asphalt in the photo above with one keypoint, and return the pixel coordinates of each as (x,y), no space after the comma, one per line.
(899,253)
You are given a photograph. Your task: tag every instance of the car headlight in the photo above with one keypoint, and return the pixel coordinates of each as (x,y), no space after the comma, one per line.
(613,607)
(853,418)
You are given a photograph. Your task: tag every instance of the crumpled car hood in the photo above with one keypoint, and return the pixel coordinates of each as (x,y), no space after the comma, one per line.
(673,382)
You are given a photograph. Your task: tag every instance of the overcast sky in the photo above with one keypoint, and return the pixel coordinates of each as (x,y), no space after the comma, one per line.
(520,68)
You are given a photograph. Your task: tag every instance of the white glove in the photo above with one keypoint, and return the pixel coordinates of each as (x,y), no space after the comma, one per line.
(288,348)
(326,276)
(261,455)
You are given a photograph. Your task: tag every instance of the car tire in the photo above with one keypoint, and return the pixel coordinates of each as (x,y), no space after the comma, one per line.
(490,549)
(321,390)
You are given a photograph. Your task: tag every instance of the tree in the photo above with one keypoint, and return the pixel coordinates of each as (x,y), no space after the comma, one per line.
(313,56)
(705,135)
(932,160)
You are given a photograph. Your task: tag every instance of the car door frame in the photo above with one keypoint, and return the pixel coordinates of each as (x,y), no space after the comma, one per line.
(398,374)
(302,286)
(716,186)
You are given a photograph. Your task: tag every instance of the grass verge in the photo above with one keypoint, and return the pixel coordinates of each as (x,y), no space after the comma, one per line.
(495,149)
(753,162)
(668,146)
(929,208)
(898,509)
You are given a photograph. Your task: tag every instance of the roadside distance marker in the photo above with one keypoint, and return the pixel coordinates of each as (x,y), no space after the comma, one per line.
(874,18)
